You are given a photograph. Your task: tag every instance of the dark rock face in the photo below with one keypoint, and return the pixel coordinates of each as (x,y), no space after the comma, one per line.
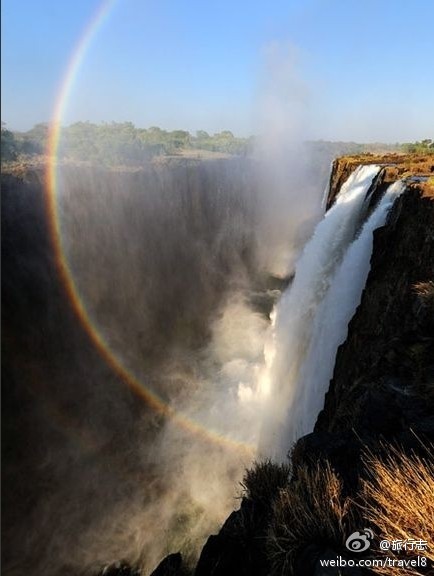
(239,548)
(170,566)
(384,372)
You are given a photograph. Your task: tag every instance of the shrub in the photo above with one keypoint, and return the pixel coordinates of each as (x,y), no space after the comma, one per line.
(425,294)
(264,480)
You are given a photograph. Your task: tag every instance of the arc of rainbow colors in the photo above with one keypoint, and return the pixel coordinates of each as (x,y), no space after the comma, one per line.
(51,190)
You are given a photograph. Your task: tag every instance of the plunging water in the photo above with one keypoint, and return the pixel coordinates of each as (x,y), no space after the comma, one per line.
(313,314)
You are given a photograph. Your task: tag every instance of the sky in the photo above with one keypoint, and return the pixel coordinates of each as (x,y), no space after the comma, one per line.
(343,70)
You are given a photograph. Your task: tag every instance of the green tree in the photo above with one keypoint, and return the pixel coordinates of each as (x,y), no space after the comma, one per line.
(202,135)
(38,134)
(9,147)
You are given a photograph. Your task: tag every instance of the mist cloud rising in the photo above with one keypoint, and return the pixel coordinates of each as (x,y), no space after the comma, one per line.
(291,174)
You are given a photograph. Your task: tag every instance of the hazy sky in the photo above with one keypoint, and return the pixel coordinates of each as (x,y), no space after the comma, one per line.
(354,69)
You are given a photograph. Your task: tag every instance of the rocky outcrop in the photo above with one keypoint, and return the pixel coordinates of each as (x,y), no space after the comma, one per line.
(239,546)
(394,167)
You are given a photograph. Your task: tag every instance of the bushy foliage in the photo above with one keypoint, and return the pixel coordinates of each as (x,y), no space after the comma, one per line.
(118,143)
(9,145)
(264,480)
(222,142)
(423,147)
(17,144)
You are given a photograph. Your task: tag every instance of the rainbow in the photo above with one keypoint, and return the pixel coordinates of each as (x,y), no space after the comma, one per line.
(51,198)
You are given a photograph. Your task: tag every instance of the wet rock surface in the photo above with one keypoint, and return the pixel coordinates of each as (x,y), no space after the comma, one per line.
(382,384)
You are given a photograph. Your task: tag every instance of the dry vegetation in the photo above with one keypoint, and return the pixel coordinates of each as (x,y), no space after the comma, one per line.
(425,294)
(399,498)
(263,482)
(396,499)
(402,164)
(311,510)
(418,168)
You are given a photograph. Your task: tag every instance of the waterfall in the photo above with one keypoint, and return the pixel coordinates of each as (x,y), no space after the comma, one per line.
(330,326)
(313,314)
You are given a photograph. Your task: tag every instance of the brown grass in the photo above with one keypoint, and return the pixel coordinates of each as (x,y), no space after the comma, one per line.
(311,509)
(403,164)
(396,499)
(425,294)
(399,498)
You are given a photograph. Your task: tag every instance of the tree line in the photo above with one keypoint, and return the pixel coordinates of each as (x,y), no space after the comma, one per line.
(423,147)
(118,143)
(121,143)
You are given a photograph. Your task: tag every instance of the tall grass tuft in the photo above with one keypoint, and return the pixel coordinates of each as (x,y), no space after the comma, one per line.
(399,499)
(312,509)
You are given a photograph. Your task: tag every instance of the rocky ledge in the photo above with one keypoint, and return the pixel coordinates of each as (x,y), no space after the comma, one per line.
(395,166)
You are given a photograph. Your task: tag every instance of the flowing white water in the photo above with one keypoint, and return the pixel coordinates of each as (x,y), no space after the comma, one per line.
(300,311)
(326,192)
(330,326)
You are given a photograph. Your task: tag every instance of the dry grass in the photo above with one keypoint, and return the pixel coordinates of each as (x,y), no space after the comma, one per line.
(425,294)
(399,498)
(311,510)
(403,163)
(396,499)
(264,480)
